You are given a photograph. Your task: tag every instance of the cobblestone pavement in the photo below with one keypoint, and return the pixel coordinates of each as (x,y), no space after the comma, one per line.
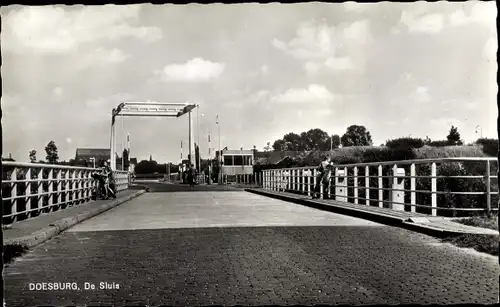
(298,255)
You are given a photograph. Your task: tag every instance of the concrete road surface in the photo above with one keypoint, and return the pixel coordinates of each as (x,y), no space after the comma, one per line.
(232,247)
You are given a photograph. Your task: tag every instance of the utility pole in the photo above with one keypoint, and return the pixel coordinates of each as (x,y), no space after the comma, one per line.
(209,160)
(220,152)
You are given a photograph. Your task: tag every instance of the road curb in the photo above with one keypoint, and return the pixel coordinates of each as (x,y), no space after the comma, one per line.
(56,228)
(372,216)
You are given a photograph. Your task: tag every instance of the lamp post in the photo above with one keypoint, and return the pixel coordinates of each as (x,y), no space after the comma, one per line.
(198,124)
(220,152)
(209,160)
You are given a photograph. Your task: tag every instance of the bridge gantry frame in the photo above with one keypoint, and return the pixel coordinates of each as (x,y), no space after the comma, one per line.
(152,109)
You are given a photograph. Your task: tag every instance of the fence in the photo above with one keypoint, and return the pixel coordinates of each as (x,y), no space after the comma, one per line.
(29,189)
(447,186)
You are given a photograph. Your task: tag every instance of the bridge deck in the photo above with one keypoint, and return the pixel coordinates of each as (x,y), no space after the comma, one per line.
(233,247)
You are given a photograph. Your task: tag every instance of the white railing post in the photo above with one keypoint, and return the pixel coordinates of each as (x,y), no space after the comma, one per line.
(13,192)
(66,186)
(321,187)
(303,180)
(40,197)
(292,179)
(59,186)
(380,186)
(433,189)
(73,187)
(488,187)
(309,180)
(367,185)
(50,196)
(27,194)
(79,192)
(413,188)
(314,179)
(355,185)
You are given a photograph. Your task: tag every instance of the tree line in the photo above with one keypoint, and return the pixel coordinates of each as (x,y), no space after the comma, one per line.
(355,135)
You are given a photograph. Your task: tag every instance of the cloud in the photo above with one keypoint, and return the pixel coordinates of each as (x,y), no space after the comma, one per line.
(491,48)
(358,31)
(195,70)
(351,6)
(343,63)
(481,13)
(313,94)
(317,41)
(445,122)
(417,19)
(331,64)
(421,94)
(57,92)
(426,23)
(58,30)
(264,69)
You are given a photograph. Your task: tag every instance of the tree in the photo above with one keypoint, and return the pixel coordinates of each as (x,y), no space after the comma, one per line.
(51,150)
(294,142)
(315,139)
(33,156)
(279,145)
(268,147)
(336,141)
(454,137)
(356,136)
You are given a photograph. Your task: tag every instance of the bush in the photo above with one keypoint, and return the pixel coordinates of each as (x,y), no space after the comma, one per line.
(439,143)
(489,146)
(384,154)
(405,143)
(429,152)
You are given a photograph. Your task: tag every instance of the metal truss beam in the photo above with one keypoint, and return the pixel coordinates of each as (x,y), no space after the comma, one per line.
(159,109)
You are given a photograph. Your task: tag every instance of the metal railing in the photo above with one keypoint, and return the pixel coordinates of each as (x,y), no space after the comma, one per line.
(255,178)
(29,189)
(435,186)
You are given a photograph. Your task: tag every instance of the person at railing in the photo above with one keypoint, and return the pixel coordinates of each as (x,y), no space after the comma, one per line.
(323,176)
(108,172)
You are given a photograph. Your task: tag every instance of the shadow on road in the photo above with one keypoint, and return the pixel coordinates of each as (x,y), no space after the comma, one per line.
(167,187)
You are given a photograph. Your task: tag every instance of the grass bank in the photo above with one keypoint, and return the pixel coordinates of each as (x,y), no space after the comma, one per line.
(482,243)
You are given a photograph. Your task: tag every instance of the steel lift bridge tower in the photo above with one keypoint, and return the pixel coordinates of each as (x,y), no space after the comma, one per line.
(154,109)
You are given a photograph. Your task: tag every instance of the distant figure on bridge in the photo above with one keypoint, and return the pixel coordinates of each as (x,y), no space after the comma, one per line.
(191,175)
(323,176)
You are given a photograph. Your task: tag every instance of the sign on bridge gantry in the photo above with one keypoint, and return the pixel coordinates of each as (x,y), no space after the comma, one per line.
(153,109)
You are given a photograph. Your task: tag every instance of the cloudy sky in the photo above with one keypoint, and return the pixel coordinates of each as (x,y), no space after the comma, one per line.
(267,70)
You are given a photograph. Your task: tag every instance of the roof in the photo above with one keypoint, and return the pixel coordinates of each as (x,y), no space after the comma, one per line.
(92,152)
(237,152)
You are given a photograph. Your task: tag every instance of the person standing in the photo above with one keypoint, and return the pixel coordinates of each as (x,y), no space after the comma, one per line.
(323,176)
(111,178)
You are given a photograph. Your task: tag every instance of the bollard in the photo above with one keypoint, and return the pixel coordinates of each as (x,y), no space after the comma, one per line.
(340,185)
(398,183)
